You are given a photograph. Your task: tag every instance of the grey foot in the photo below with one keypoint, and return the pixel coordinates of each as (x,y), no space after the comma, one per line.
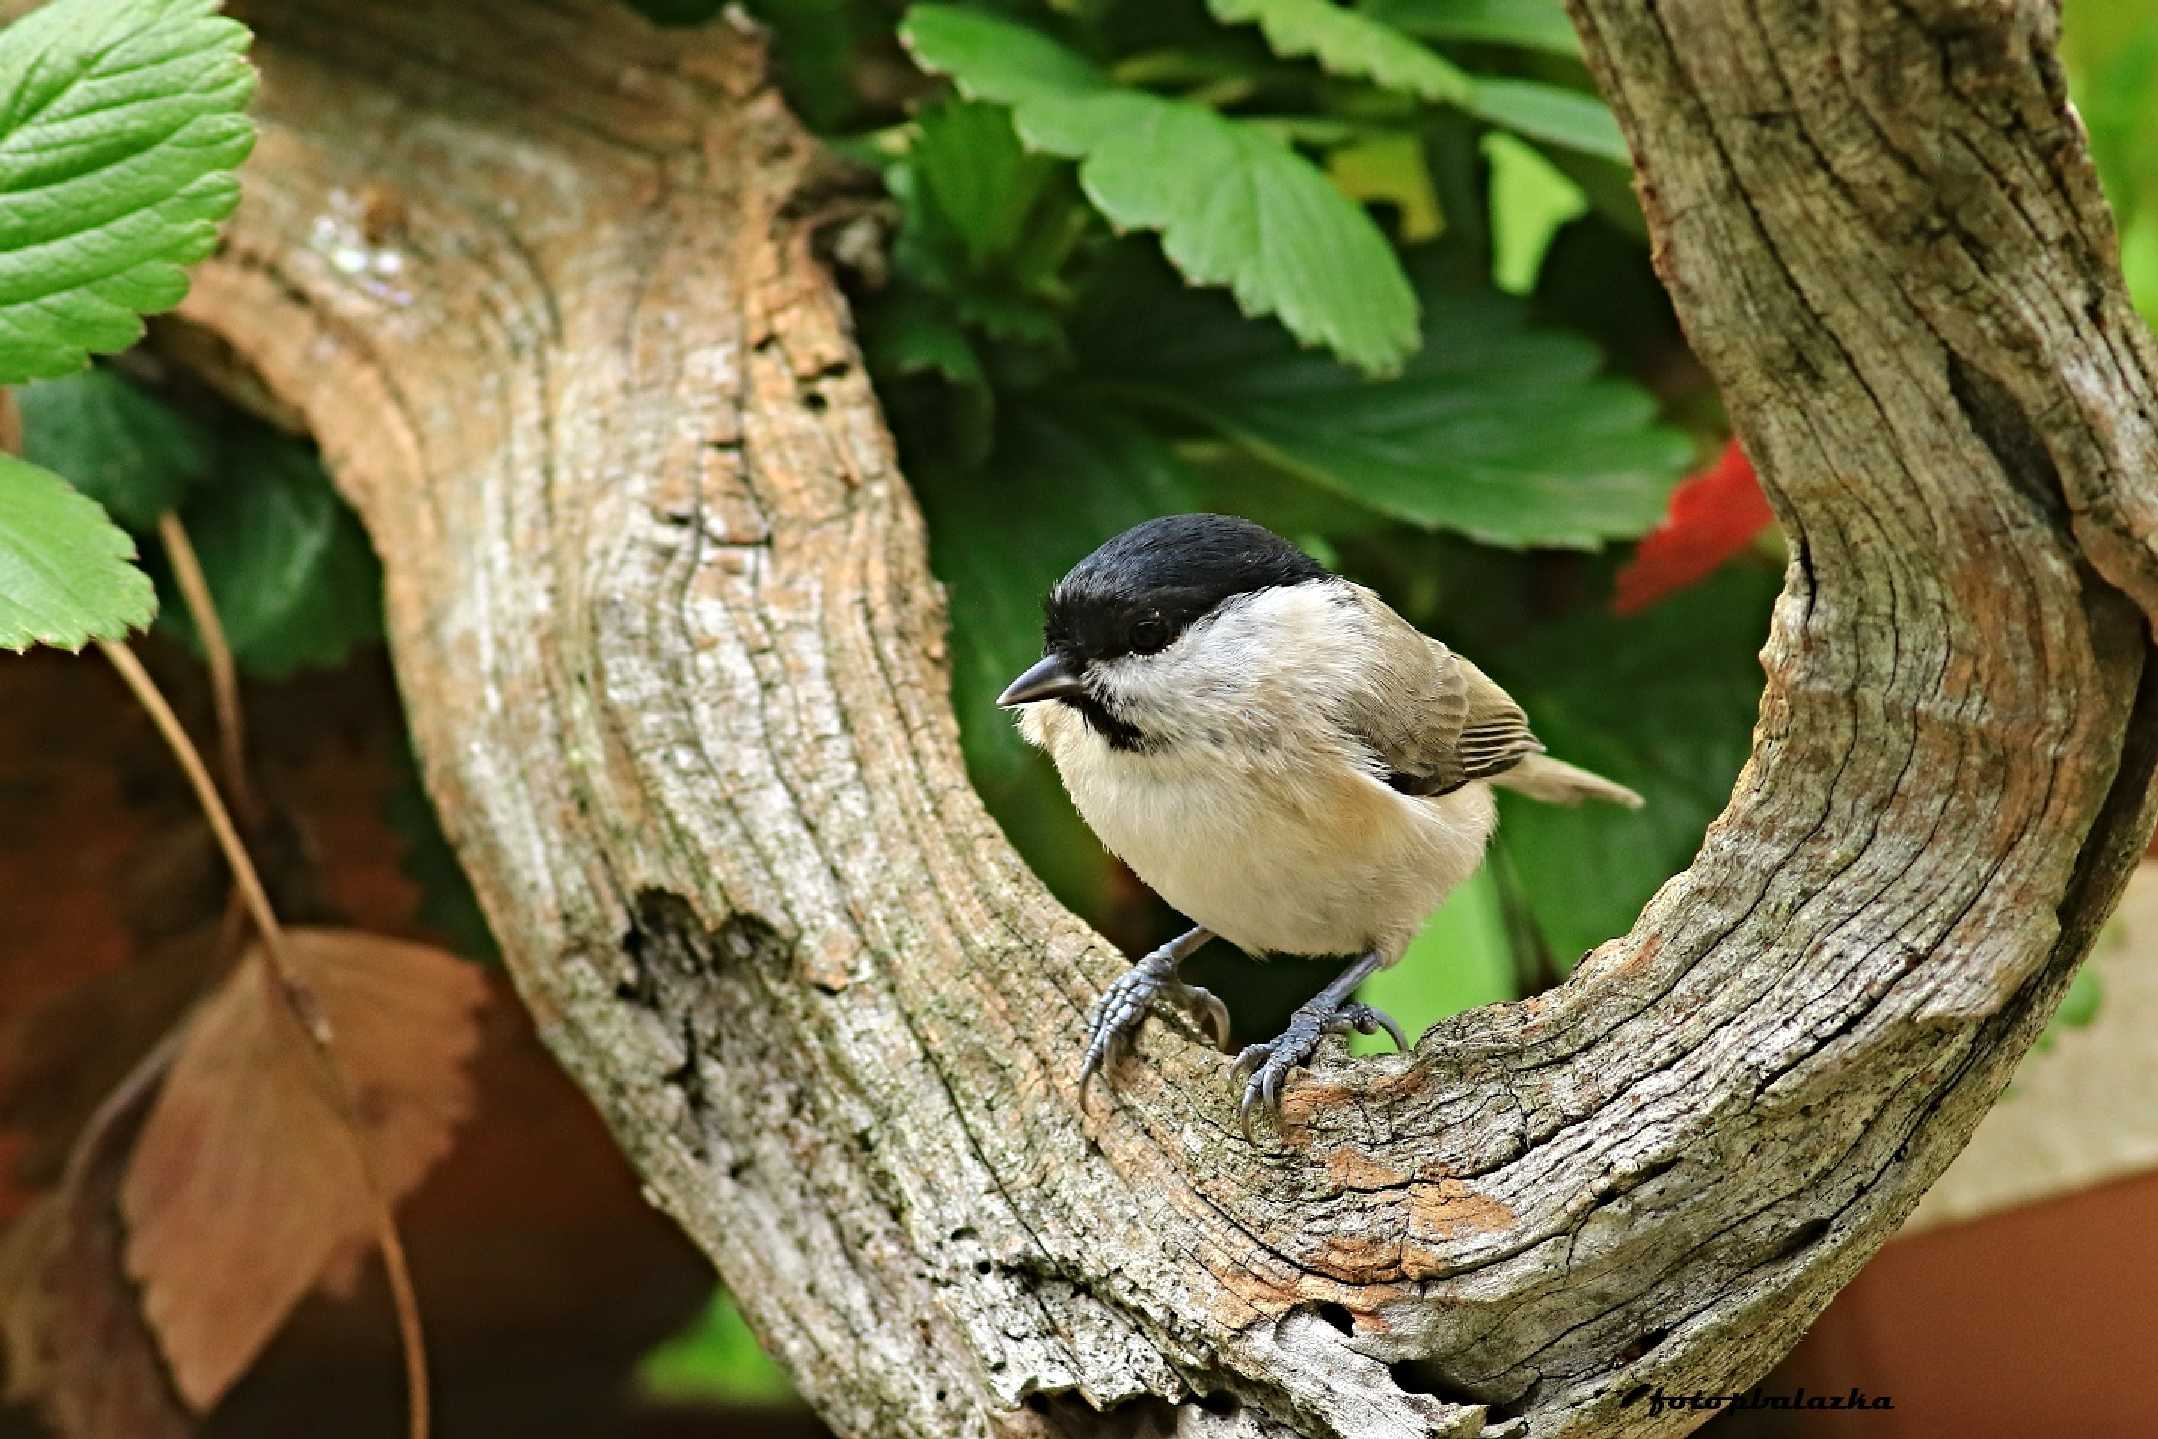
(1269,1063)
(1124,1004)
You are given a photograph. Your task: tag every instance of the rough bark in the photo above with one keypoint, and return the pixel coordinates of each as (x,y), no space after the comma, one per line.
(660,610)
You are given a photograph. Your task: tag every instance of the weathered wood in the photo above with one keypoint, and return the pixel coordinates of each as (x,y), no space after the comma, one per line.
(537,278)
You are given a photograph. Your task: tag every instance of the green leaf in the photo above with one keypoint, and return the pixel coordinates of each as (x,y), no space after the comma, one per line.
(1531,201)
(289,568)
(1391,167)
(912,336)
(2079,1006)
(66,571)
(1498,431)
(1060,482)
(1525,24)
(1234,206)
(1663,701)
(996,59)
(813,44)
(120,126)
(981,179)
(1345,42)
(116,442)
(1553,113)
(908,334)
(1461,959)
(716,1360)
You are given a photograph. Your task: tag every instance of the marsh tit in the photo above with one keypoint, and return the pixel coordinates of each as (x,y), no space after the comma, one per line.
(1280,756)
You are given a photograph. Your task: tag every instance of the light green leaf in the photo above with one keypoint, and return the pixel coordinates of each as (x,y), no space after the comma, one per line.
(2079,1006)
(1345,42)
(115,441)
(1459,960)
(717,1359)
(120,126)
(1553,113)
(1498,431)
(1526,24)
(66,571)
(996,59)
(1531,201)
(1391,167)
(1663,701)
(293,577)
(1234,206)
(2139,262)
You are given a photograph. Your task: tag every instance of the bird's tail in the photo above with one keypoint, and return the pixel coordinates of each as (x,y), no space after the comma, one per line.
(1556,782)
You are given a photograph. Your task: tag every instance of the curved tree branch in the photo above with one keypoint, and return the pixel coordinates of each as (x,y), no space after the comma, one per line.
(538,280)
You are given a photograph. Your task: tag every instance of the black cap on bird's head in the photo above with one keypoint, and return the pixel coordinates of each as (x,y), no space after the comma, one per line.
(1141,590)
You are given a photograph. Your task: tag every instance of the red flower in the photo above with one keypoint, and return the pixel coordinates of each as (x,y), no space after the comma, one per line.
(1714,514)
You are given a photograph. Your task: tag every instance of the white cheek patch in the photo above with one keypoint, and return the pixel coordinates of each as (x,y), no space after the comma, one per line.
(1246,666)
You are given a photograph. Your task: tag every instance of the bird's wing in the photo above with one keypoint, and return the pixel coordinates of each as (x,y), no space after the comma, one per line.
(1435,721)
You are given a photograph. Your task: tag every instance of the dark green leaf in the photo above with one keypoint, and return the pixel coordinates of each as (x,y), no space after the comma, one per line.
(1234,206)
(1345,42)
(1527,24)
(1498,431)
(120,126)
(1664,702)
(813,45)
(1553,113)
(1061,481)
(970,163)
(116,442)
(66,571)
(448,905)
(293,577)
(906,334)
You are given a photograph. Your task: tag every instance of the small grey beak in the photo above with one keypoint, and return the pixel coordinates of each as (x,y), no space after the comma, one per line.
(1049,678)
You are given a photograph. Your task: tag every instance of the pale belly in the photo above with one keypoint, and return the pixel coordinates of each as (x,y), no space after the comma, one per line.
(1337,864)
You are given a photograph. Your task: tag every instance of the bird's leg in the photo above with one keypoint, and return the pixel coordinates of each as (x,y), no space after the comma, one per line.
(1330,1011)
(1123,1005)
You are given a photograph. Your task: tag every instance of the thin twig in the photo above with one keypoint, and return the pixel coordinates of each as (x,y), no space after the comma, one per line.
(300,1002)
(224,675)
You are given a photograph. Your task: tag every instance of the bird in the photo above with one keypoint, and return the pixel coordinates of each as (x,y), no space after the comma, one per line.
(1279,755)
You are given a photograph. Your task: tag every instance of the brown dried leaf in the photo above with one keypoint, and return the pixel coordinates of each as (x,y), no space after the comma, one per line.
(245,1183)
(74,1340)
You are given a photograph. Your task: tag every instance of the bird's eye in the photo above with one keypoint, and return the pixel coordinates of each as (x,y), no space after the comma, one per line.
(1148,634)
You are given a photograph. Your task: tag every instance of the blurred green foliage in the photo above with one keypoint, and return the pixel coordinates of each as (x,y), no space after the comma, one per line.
(295,581)
(2111,47)
(716,1360)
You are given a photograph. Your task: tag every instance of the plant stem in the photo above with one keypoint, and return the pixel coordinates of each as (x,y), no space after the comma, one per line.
(300,1003)
(224,675)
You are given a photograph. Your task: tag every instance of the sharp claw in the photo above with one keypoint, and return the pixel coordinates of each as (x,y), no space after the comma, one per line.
(1122,1007)
(1210,1012)
(1365,1019)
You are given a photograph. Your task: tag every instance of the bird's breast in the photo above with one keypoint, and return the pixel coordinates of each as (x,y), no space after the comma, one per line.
(1319,858)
